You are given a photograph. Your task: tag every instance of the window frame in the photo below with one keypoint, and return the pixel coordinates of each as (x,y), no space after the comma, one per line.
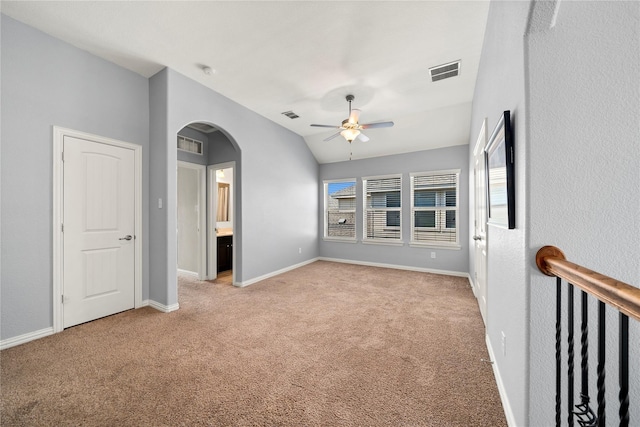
(325,189)
(437,208)
(381,241)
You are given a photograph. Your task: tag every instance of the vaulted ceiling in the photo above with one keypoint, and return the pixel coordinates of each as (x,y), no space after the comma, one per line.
(300,56)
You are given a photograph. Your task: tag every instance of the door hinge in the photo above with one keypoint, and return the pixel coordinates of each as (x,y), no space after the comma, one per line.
(62,299)
(62,227)
(62,156)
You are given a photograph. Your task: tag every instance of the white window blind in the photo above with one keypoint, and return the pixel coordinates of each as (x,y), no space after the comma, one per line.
(340,209)
(383,208)
(434,208)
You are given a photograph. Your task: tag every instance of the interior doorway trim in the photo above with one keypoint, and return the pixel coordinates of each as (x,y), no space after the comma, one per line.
(212,194)
(202,216)
(58,238)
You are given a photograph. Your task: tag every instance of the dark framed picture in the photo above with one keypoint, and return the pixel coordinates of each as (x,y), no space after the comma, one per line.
(499,158)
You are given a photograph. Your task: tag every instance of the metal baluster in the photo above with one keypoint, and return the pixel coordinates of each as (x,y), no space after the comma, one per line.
(586,417)
(602,422)
(570,354)
(624,370)
(558,350)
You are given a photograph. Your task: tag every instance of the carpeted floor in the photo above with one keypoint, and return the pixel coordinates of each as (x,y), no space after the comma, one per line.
(327,344)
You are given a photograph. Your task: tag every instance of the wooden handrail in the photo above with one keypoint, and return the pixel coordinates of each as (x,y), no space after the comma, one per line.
(624,297)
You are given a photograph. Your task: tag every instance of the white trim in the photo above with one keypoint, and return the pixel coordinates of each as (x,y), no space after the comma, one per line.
(452,246)
(274,273)
(397,267)
(390,242)
(504,397)
(339,240)
(202,215)
(25,338)
(187,272)
(212,236)
(57,193)
(325,214)
(163,308)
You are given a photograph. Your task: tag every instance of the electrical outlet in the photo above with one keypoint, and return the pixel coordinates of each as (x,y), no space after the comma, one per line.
(299,250)
(433,255)
(504,343)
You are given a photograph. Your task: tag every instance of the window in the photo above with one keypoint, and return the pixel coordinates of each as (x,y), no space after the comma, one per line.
(434,208)
(340,209)
(382,208)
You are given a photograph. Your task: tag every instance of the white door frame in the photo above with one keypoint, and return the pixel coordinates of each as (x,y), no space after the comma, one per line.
(202,215)
(480,228)
(212,262)
(58,237)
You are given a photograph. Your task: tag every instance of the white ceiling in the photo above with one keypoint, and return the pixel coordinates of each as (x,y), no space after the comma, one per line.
(304,56)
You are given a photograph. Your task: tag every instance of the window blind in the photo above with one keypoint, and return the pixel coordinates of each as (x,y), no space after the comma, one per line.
(382,208)
(434,208)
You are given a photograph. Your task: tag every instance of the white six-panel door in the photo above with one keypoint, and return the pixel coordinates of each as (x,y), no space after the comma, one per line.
(99,230)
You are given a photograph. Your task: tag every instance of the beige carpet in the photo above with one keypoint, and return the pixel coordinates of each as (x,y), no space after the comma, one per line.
(325,345)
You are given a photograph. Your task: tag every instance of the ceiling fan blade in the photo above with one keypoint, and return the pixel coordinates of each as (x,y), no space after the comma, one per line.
(377,125)
(326,126)
(355,115)
(331,137)
(363,137)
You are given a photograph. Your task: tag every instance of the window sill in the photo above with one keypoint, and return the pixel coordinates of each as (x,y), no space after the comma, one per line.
(383,242)
(338,240)
(453,247)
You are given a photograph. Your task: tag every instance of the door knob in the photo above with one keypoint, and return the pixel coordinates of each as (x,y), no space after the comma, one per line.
(127,237)
(477,238)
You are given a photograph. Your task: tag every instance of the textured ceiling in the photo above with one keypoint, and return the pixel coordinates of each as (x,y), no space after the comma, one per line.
(301,56)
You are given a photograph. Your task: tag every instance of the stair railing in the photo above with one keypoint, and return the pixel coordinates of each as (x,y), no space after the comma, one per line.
(624,298)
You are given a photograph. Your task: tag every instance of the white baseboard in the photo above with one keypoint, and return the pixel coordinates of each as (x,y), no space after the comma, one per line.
(163,308)
(274,273)
(397,267)
(25,338)
(187,272)
(511,422)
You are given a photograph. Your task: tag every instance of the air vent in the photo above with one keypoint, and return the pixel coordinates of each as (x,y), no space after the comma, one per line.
(445,71)
(202,127)
(189,145)
(291,114)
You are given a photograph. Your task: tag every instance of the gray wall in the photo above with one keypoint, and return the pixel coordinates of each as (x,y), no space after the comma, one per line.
(276,165)
(47,83)
(500,86)
(424,161)
(577,156)
(584,190)
(222,150)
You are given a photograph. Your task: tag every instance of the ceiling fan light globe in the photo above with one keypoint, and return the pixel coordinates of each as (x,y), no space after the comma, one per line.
(350,134)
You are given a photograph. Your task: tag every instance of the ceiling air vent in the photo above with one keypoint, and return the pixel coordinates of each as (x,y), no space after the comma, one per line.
(291,114)
(445,71)
(202,127)
(189,145)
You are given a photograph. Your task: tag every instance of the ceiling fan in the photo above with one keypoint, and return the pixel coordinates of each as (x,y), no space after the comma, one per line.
(350,128)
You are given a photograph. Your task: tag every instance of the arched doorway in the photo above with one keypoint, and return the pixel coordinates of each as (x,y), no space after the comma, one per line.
(202,146)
